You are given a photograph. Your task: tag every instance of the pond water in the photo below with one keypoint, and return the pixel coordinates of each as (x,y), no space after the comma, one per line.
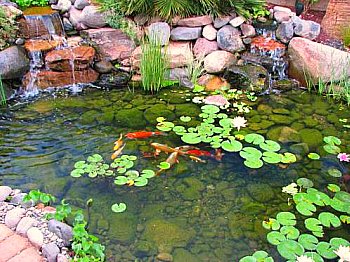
(195,211)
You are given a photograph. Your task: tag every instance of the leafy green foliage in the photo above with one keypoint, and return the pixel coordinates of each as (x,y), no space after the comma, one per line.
(258,256)
(38,196)
(28,3)
(8,30)
(62,211)
(118,208)
(93,167)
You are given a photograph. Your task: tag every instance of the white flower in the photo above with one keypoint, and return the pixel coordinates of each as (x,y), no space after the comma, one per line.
(197,100)
(304,259)
(239,122)
(343,253)
(290,189)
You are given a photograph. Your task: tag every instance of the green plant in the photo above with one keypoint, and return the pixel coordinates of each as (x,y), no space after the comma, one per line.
(37,196)
(62,211)
(94,166)
(153,65)
(8,28)
(2,93)
(195,68)
(27,3)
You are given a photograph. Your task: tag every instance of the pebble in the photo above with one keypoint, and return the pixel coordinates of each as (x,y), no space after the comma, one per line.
(24,224)
(35,236)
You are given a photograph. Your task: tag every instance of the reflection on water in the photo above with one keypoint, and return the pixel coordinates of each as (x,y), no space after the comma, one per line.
(196,212)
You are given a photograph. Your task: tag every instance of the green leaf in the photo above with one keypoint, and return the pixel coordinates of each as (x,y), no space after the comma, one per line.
(308,241)
(141,181)
(262,256)
(271,224)
(185,119)
(77,172)
(326,250)
(306,208)
(332,140)
(317,197)
(253,163)
(148,173)
(191,138)
(345,219)
(121,180)
(290,232)
(164,165)
(226,122)
(254,139)
(275,237)
(118,208)
(328,219)
(210,109)
(333,188)
(232,146)
(313,156)
(272,157)
(270,145)
(288,158)
(314,256)
(305,182)
(165,126)
(331,149)
(248,259)
(132,174)
(286,218)
(79,164)
(95,158)
(250,153)
(290,249)
(313,225)
(160,119)
(179,130)
(343,196)
(337,241)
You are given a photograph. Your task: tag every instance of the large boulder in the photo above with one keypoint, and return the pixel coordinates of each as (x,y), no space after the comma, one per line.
(306,28)
(159,32)
(209,32)
(13,63)
(285,31)
(75,16)
(185,33)
(62,6)
(92,17)
(229,39)
(316,61)
(195,21)
(218,60)
(77,58)
(203,47)
(111,44)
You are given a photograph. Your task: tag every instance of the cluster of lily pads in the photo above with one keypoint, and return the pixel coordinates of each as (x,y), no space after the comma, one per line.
(218,130)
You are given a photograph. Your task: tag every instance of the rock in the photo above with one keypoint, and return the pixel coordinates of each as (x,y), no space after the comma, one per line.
(229,39)
(301,149)
(217,61)
(217,100)
(248,30)
(62,230)
(285,84)
(62,6)
(127,233)
(40,45)
(45,79)
(13,63)
(132,118)
(221,21)
(166,257)
(114,80)
(144,249)
(187,110)
(185,33)
(262,44)
(312,137)
(5,191)
(159,32)
(80,4)
(93,17)
(103,67)
(250,77)
(24,224)
(61,258)
(212,82)
(209,32)
(18,200)
(19,41)
(306,28)
(316,61)
(195,21)
(203,47)
(13,217)
(262,193)
(111,44)
(75,16)
(158,110)
(281,16)
(284,134)
(237,21)
(181,254)
(285,31)
(167,235)
(50,251)
(61,60)
(67,24)
(35,236)
(282,9)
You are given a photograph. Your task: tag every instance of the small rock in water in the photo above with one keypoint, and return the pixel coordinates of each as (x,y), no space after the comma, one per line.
(80,4)
(165,257)
(19,41)
(103,67)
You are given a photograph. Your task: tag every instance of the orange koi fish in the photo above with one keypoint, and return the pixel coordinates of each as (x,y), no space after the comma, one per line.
(117,153)
(118,143)
(142,134)
(172,160)
(197,159)
(197,152)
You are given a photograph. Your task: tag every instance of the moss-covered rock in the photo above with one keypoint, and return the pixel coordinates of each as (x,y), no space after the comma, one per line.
(312,137)
(167,235)
(182,255)
(283,134)
(281,119)
(158,110)
(144,249)
(89,117)
(261,192)
(281,111)
(131,118)
(187,110)
(123,228)
(310,122)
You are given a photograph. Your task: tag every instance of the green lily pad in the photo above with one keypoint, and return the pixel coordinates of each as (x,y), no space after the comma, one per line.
(164,165)
(226,122)
(305,182)
(333,188)
(185,119)
(290,232)
(271,157)
(222,115)
(118,208)
(313,224)
(253,163)
(314,256)
(80,164)
(334,172)
(254,139)
(290,249)
(93,174)
(317,197)
(326,250)
(198,88)
(286,218)
(275,238)
(147,173)
(121,180)
(345,219)
(313,156)
(328,219)
(336,242)
(77,172)
(179,130)
(210,109)
(141,181)
(232,146)
(248,259)
(343,196)
(132,174)
(271,223)
(270,145)
(165,126)
(288,158)
(339,205)
(250,153)
(258,256)
(160,119)
(332,149)
(95,158)
(191,138)
(332,140)
(306,208)
(308,241)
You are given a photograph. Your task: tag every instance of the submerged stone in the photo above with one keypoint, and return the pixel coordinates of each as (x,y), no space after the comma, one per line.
(181,255)
(144,249)
(158,110)
(123,228)
(312,137)
(131,118)
(262,193)
(283,134)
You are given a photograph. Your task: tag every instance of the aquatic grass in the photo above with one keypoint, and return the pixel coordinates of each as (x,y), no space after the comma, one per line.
(195,67)
(153,65)
(2,93)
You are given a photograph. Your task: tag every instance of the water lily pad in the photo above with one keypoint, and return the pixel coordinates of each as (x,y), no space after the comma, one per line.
(210,109)
(198,88)
(258,256)
(317,197)
(305,182)
(306,208)
(77,172)
(275,237)
(141,181)
(253,163)
(333,188)
(313,156)
(314,256)
(232,146)
(328,219)
(226,122)
(118,208)
(326,250)
(250,153)
(160,119)
(313,224)
(165,126)
(132,174)
(332,149)
(334,172)
(345,219)
(80,164)
(343,196)
(179,130)
(185,119)
(286,218)
(95,158)
(290,232)
(121,180)
(147,173)
(254,139)
(164,165)
(271,223)
(191,138)
(339,205)
(270,145)
(308,241)
(271,157)
(222,115)
(332,140)
(338,241)
(288,158)
(290,249)
(93,174)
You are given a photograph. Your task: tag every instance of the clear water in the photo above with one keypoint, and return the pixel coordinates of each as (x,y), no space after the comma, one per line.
(196,212)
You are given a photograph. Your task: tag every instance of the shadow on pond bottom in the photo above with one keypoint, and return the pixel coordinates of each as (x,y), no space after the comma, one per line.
(196,211)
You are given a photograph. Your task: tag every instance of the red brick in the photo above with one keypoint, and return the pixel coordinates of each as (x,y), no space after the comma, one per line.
(12,246)
(5,232)
(27,255)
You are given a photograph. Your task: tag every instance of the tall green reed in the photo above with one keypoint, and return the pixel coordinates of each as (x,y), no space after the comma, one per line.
(153,65)
(195,67)
(2,93)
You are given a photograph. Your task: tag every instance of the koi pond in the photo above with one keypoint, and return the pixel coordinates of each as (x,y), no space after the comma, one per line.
(195,211)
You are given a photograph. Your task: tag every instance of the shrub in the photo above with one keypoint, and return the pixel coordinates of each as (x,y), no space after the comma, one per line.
(8,28)
(27,3)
